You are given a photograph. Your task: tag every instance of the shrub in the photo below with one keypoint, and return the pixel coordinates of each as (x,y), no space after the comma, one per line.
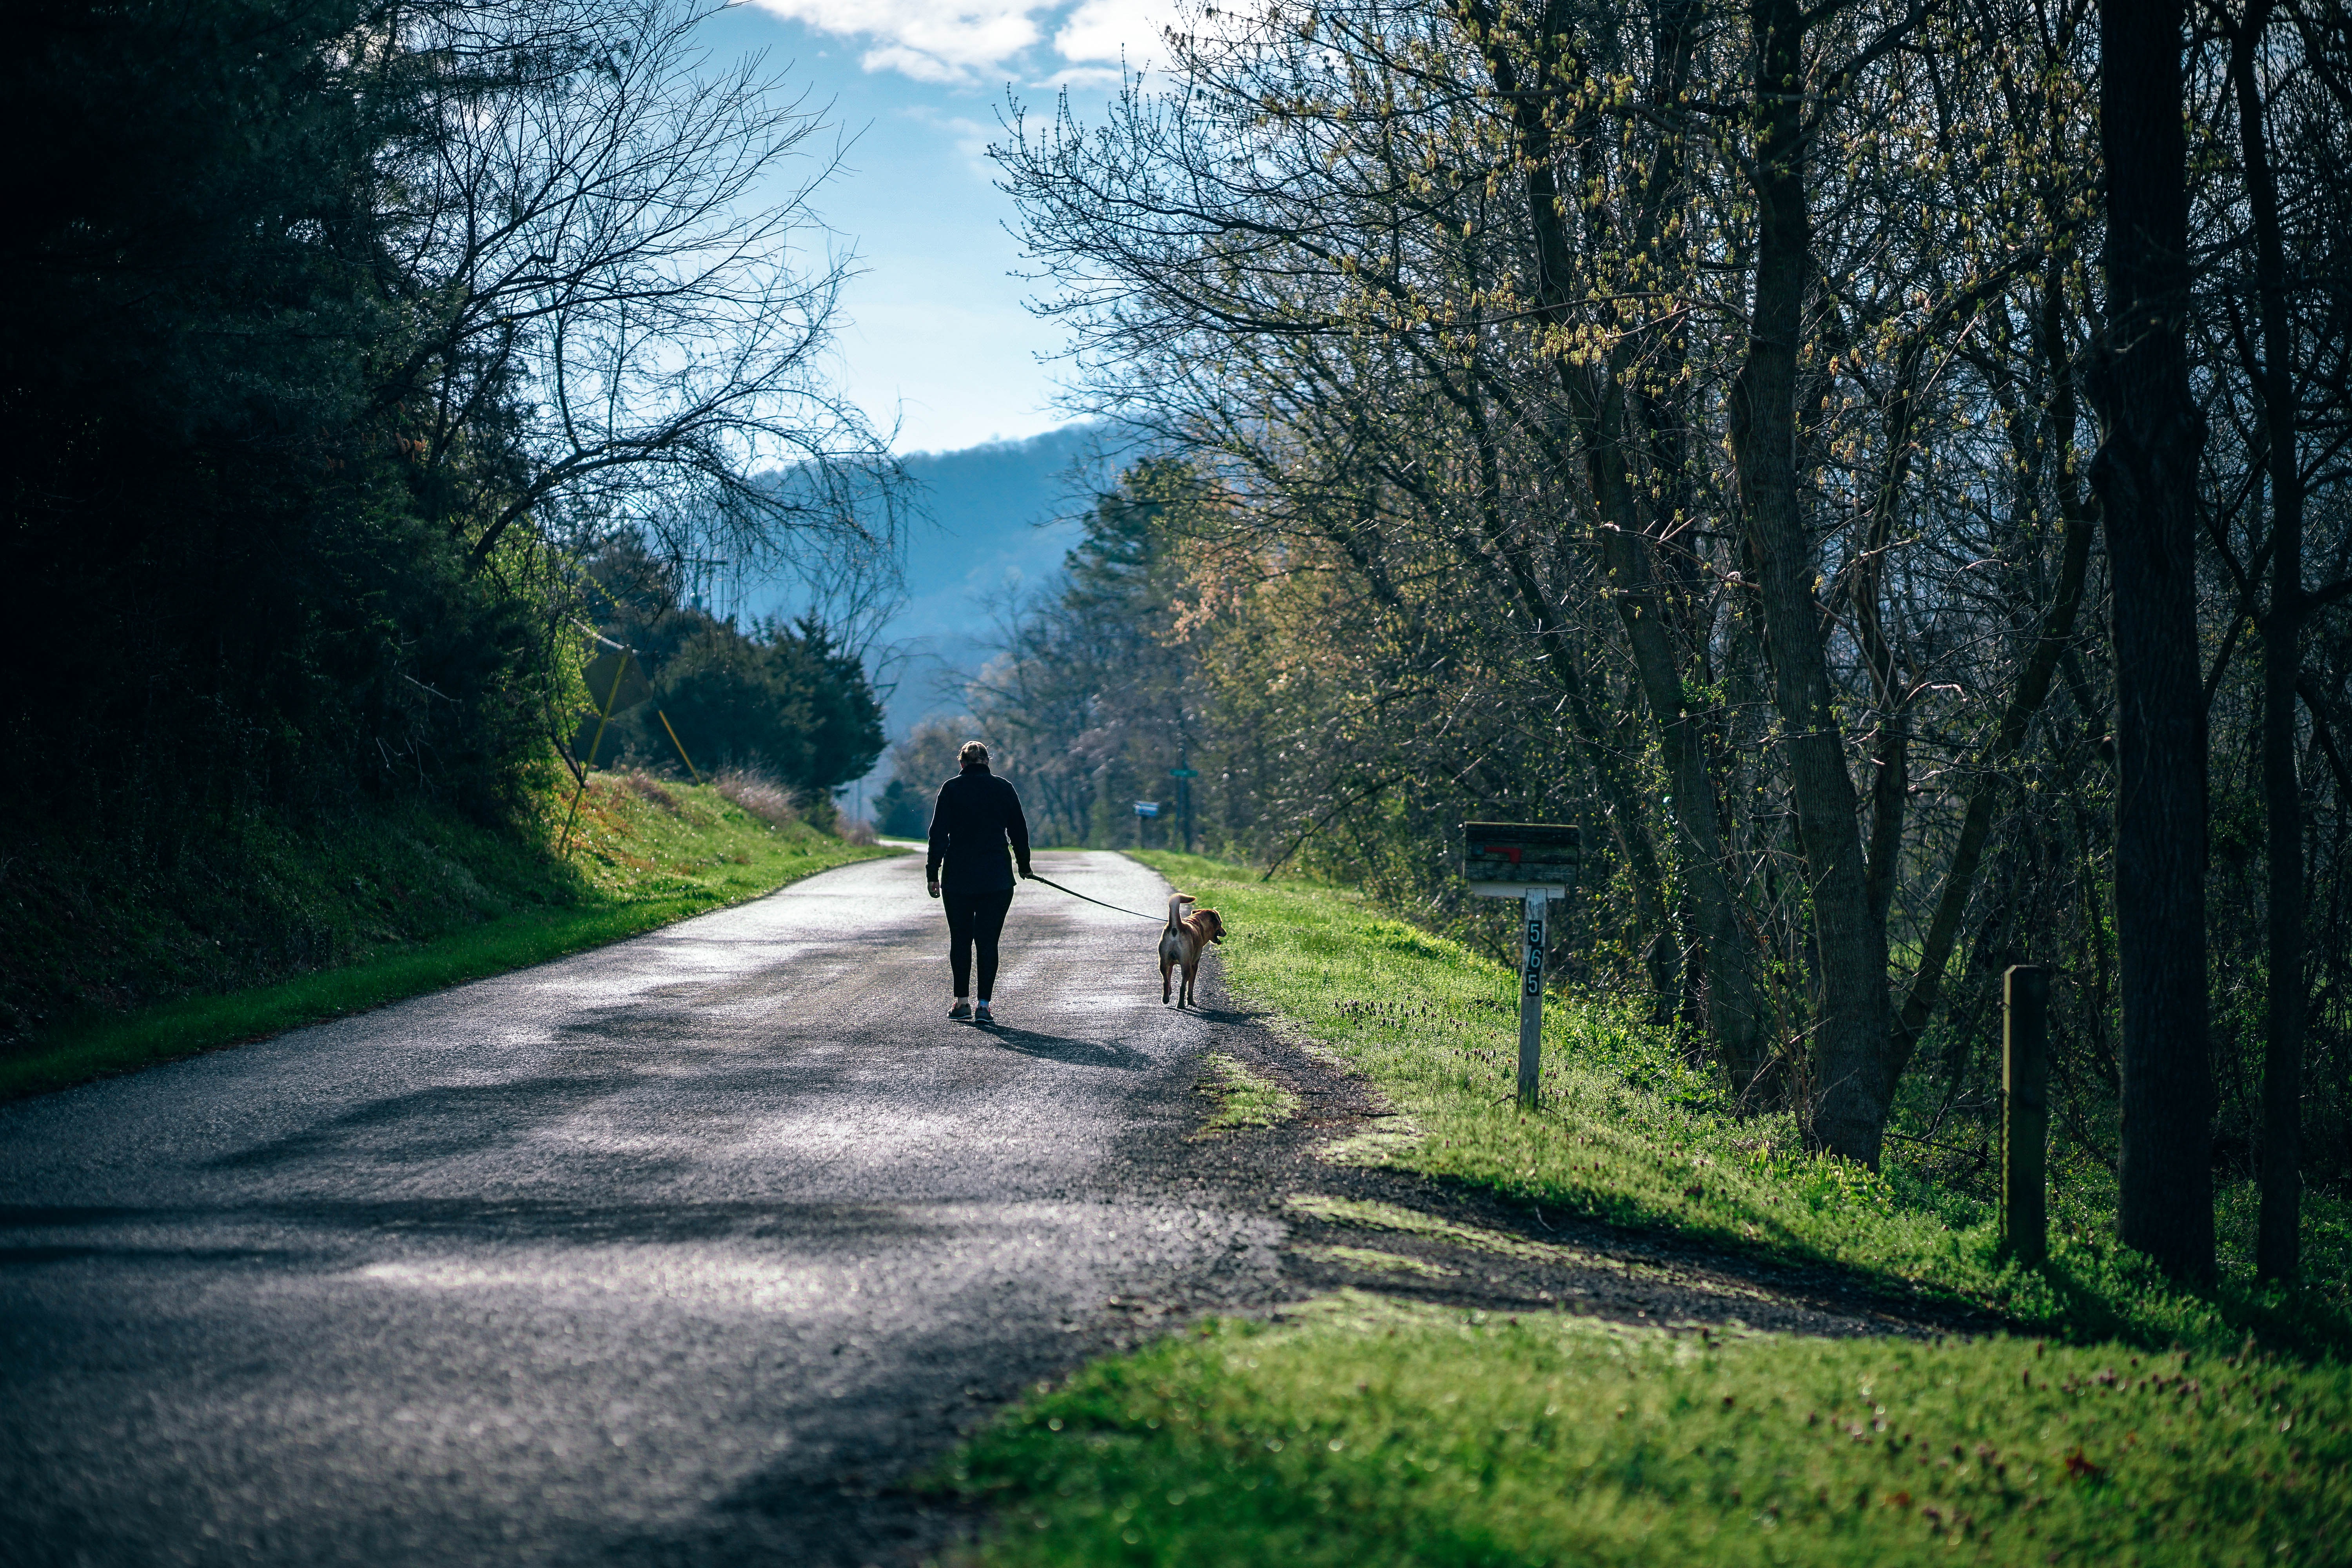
(903,811)
(649,788)
(759,795)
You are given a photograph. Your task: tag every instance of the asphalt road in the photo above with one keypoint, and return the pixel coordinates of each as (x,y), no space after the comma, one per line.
(668,1252)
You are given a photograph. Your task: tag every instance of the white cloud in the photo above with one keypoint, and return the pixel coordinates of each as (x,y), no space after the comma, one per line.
(1087,76)
(1102,32)
(913,63)
(966,40)
(931,40)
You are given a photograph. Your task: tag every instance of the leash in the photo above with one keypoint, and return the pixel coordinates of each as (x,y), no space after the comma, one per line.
(1058,887)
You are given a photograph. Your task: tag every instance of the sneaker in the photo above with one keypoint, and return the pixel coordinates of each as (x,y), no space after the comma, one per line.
(982,1016)
(962,1010)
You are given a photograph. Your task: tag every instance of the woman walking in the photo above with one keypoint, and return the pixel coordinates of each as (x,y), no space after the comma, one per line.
(977,816)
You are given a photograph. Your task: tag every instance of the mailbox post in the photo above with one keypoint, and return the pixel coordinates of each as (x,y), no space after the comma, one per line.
(1533,863)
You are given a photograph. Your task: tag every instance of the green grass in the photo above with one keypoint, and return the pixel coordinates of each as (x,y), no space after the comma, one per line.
(1365,1432)
(1243,1099)
(1373,1259)
(2128,1422)
(1367,1215)
(1628,1133)
(413,904)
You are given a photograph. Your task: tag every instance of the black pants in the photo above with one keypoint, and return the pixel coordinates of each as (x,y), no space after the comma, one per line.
(974,916)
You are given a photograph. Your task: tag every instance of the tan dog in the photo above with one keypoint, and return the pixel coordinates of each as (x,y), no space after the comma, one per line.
(1185,938)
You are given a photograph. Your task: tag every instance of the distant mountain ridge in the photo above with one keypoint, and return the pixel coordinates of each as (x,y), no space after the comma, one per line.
(987,524)
(993,522)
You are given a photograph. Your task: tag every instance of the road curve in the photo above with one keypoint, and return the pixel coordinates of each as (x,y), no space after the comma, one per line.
(651,1255)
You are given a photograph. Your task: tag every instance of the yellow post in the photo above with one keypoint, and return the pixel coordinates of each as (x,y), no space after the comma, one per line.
(573,813)
(679,745)
(596,743)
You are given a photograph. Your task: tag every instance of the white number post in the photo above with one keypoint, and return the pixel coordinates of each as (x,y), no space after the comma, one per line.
(1535,863)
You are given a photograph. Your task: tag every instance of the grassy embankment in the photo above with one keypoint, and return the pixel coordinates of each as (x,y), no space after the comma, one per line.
(2127,1421)
(311,924)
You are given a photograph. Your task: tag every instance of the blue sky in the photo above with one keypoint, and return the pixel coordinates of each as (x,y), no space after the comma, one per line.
(937,341)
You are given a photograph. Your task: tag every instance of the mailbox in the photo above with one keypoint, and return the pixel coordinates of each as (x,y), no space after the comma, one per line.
(1512,859)
(1535,862)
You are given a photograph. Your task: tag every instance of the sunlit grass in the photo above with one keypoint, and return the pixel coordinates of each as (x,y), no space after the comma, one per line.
(1627,1132)
(2131,1423)
(638,857)
(1243,1099)
(1370,1433)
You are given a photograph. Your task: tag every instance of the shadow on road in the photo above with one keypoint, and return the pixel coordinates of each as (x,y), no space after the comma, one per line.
(278,1228)
(1074,1052)
(1224,1016)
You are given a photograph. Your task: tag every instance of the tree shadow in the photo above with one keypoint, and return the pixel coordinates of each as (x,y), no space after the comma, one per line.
(369,1224)
(1073,1053)
(444,1120)
(1240,1018)
(2134,1303)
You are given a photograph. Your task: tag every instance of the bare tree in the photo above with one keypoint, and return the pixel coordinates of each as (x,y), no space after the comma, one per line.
(2290,106)
(1674,417)
(605,248)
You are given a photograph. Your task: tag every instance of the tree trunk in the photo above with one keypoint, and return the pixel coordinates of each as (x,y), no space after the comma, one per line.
(1735,1013)
(2277,1241)
(1612,781)
(2032,686)
(1726,952)
(2145,475)
(1853,1087)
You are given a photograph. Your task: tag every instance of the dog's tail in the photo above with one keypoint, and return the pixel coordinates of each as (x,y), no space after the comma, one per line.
(1176,903)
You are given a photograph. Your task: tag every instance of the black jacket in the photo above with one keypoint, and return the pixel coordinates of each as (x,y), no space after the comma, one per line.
(976,814)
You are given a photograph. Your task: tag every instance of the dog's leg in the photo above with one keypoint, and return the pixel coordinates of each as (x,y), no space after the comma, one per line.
(1190,971)
(1166,963)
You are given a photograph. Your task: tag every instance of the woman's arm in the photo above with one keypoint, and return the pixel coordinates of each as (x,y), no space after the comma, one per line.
(939,837)
(1016,828)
